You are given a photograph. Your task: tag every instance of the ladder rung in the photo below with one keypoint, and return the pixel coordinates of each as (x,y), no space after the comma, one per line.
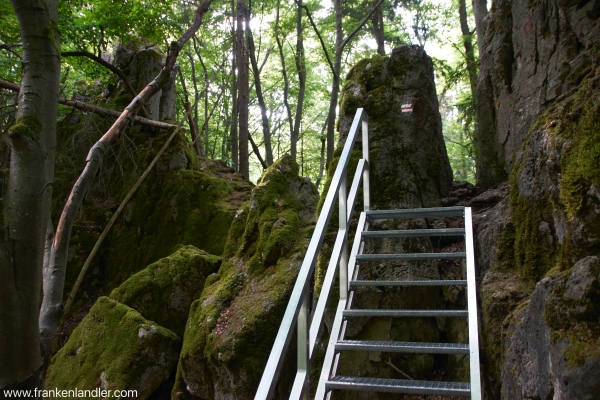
(403,347)
(409,256)
(399,386)
(409,283)
(405,313)
(413,233)
(416,213)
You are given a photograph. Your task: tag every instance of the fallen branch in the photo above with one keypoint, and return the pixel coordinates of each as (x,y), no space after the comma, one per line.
(135,187)
(80,105)
(389,362)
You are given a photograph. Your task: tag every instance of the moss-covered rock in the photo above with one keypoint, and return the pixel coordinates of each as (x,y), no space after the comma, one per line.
(115,348)
(164,291)
(231,328)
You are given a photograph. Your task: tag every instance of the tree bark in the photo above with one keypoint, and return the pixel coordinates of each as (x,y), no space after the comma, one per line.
(27,204)
(243,96)
(260,98)
(467,37)
(301,68)
(193,129)
(52,303)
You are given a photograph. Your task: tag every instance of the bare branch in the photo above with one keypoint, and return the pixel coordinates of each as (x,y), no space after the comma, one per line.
(105,64)
(359,27)
(80,105)
(312,23)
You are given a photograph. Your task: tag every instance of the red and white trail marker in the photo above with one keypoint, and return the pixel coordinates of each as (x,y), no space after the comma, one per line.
(406,108)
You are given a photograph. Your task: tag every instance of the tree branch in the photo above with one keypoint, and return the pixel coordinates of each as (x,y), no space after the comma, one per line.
(359,27)
(312,23)
(80,105)
(105,64)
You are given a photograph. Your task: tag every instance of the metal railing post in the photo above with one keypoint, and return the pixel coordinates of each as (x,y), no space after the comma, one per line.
(303,350)
(365,150)
(343,209)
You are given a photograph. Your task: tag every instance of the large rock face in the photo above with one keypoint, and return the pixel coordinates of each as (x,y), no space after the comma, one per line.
(532,53)
(409,169)
(539,333)
(231,328)
(409,162)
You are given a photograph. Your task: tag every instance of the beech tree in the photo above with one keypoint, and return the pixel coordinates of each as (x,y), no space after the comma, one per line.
(26,207)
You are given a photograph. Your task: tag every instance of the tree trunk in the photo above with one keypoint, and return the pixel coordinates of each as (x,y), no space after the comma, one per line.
(259,97)
(301,68)
(480,11)
(243,87)
(467,37)
(286,82)
(27,203)
(335,84)
(378,32)
(235,154)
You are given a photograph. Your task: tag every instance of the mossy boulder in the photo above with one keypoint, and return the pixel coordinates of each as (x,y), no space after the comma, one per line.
(231,328)
(115,348)
(164,291)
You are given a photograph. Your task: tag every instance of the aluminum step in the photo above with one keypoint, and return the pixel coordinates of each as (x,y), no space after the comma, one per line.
(413,233)
(404,313)
(399,386)
(403,347)
(409,283)
(409,256)
(416,213)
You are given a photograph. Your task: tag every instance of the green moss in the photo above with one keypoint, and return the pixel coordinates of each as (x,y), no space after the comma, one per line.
(584,343)
(26,126)
(113,343)
(164,291)
(533,255)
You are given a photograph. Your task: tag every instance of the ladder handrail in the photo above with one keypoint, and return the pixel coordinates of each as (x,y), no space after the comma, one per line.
(297,312)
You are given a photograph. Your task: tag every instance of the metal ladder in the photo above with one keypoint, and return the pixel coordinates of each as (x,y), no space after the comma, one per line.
(307,320)
(329,380)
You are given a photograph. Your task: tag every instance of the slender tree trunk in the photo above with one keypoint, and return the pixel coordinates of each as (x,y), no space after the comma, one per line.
(322,161)
(335,84)
(286,82)
(301,68)
(480,11)
(243,87)
(235,154)
(259,96)
(26,207)
(51,310)
(204,132)
(467,36)
(378,32)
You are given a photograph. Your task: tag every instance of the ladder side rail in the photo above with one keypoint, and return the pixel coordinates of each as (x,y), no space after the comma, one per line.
(356,183)
(472,307)
(268,380)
